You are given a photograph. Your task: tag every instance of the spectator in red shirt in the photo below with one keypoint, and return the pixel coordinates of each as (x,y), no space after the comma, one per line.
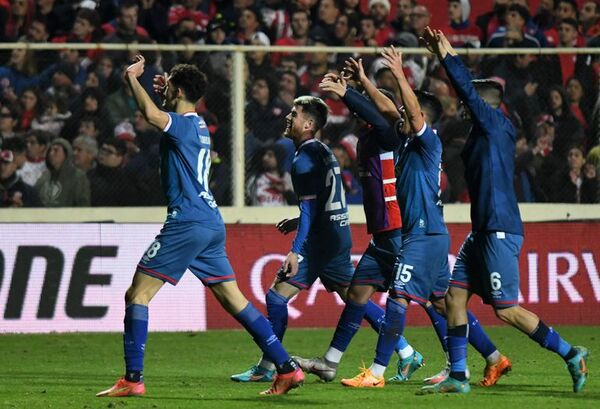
(380,11)
(300,28)
(563,9)
(489,22)
(589,19)
(460,30)
(249,23)
(576,96)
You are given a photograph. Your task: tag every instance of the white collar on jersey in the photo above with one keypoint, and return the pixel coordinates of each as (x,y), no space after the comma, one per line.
(190,114)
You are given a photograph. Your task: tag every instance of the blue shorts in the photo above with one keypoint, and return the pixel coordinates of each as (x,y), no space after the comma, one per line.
(488,265)
(422,261)
(180,246)
(334,270)
(376,266)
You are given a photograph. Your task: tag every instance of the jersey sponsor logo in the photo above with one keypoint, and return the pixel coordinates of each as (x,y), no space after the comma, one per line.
(205,140)
(208,198)
(343,219)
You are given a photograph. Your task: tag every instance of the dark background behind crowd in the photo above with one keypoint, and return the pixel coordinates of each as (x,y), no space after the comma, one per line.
(71,134)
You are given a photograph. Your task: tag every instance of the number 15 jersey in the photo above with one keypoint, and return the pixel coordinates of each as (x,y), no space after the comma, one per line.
(316,175)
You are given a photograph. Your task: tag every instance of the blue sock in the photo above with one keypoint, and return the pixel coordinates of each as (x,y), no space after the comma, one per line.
(391,329)
(134,339)
(374,315)
(277,312)
(439,325)
(457,349)
(551,340)
(478,338)
(262,333)
(348,325)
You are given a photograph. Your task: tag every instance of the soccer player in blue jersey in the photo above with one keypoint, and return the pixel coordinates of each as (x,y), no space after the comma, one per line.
(377,156)
(488,261)
(321,248)
(193,236)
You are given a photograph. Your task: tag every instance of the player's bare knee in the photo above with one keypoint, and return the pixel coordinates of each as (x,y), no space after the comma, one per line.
(440,306)
(507,315)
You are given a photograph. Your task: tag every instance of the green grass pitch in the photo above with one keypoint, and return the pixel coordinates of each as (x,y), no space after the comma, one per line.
(191,370)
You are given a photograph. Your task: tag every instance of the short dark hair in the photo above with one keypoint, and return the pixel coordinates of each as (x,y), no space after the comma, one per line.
(491,91)
(118,144)
(431,104)
(42,137)
(16,144)
(190,79)
(314,107)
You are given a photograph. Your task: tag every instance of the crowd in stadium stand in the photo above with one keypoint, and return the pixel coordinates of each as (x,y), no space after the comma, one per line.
(71,134)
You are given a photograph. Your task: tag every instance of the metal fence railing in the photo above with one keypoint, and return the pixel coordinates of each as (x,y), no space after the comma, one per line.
(75,92)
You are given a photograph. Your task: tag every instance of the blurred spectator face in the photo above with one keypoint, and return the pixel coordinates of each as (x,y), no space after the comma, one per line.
(260,91)
(567,35)
(378,12)
(288,83)
(8,166)
(328,11)
(238,4)
(547,5)
(83,28)
(555,101)
(269,161)
(29,100)
(522,61)
(403,9)
(34,149)
(90,104)
(519,2)
(37,32)
(17,57)
(7,122)
(109,156)
(217,36)
(521,146)
(514,20)
(351,4)
(575,159)
(82,158)
(419,18)
(341,27)
(56,156)
(248,21)
(574,91)
(367,28)
(60,79)
(288,64)
(257,56)
(128,19)
(454,11)
(565,10)
(19,7)
(139,122)
(321,58)
(92,80)
(588,12)
(300,24)
(88,128)
(105,67)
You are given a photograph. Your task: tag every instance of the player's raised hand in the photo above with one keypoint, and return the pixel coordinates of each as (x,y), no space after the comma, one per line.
(355,70)
(287,225)
(290,264)
(137,68)
(159,83)
(335,84)
(432,41)
(393,60)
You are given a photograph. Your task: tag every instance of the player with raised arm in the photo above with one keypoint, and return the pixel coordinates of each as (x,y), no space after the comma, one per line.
(488,261)
(321,248)
(193,236)
(429,108)
(377,155)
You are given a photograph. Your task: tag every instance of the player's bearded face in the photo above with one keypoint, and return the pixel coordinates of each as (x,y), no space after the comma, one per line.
(290,120)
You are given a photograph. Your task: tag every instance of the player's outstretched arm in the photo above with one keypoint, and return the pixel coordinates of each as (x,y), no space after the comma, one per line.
(460,77)
(151,112)
(354,69)
(393,60)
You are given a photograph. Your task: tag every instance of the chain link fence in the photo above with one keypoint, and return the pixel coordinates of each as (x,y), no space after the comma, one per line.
(72,99)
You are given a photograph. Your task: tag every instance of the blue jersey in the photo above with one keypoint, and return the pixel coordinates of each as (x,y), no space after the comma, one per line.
(184,167)
(489,157)
(419,190)
(316,176)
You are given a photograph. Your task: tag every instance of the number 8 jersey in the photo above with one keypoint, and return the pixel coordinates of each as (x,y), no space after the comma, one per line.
(316,175)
